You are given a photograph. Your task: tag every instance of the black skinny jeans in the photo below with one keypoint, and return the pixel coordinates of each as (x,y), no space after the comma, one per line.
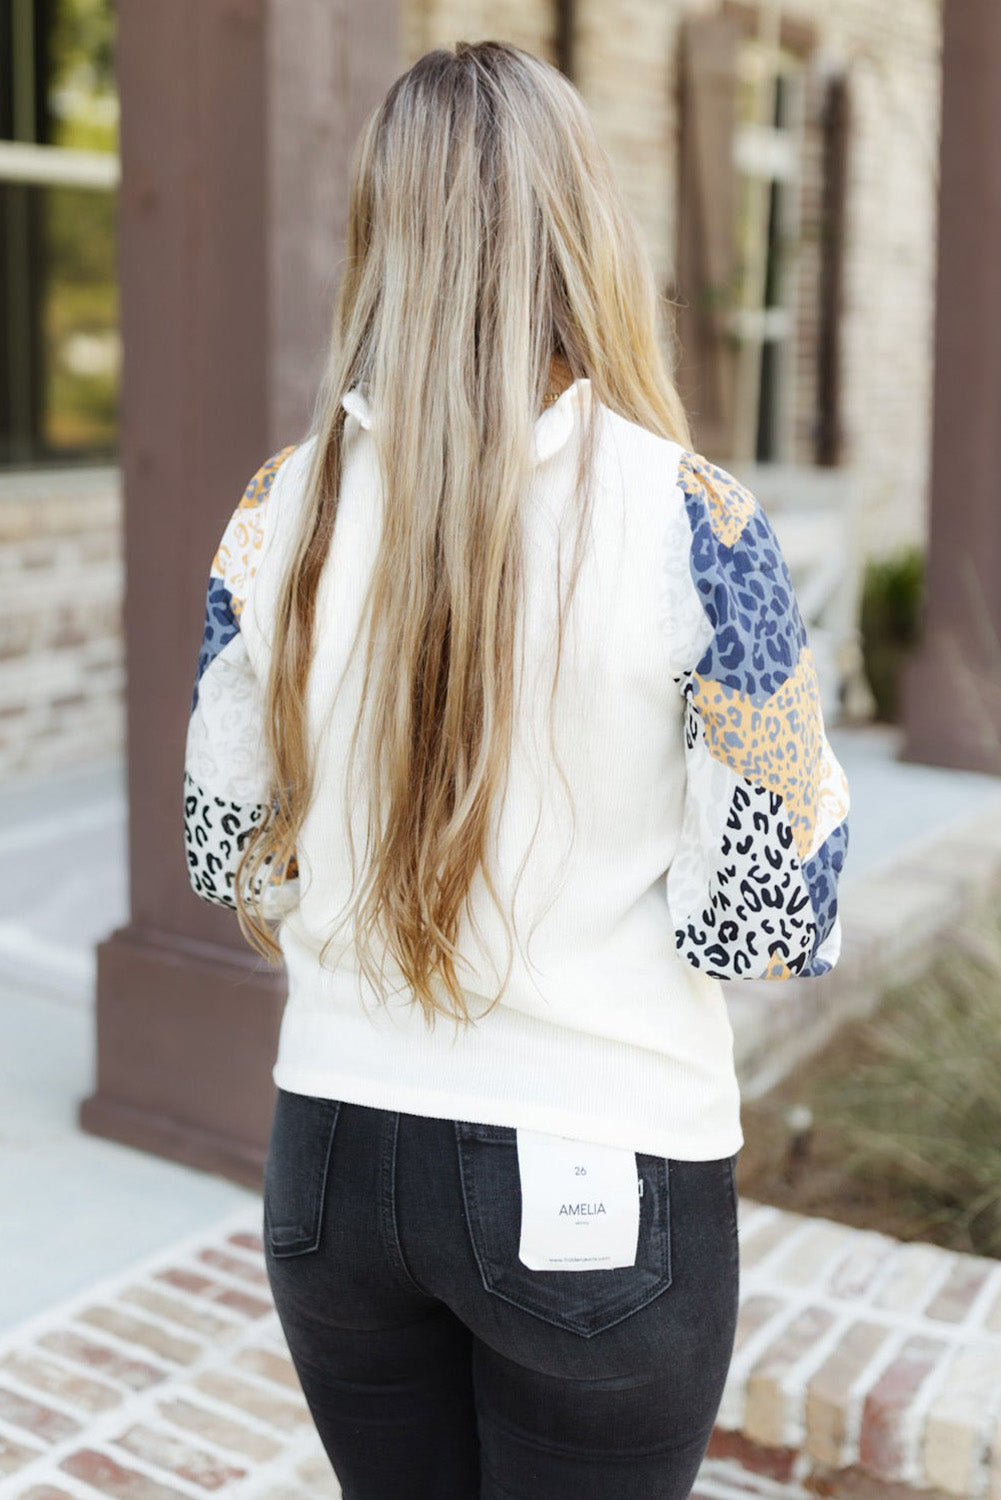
(437,1367)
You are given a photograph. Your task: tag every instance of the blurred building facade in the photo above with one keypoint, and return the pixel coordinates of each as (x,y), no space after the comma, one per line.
(781,160)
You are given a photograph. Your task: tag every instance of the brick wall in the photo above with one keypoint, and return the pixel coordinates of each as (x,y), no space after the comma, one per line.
(626,70)
(61,671)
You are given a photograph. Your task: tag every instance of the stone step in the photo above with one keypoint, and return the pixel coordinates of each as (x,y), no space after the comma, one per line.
(860,1357)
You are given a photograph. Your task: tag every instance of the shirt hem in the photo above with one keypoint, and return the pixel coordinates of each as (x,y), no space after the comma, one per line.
(666,1141)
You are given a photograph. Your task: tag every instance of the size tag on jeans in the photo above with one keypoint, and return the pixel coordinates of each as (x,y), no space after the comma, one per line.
(580,1206)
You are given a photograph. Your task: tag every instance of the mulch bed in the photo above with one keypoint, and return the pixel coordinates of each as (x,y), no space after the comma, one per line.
(806,1172)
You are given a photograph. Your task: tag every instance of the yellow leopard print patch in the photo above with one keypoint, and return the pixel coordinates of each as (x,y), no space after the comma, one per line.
(778,744)
(731,505)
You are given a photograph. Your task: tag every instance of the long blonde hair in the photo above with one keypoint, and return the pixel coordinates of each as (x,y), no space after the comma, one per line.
(486,235)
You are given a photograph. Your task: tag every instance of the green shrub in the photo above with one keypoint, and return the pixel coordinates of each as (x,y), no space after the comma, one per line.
(892,594)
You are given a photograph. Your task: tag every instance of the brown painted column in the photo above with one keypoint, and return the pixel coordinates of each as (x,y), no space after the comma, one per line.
(238,120)
(952,699)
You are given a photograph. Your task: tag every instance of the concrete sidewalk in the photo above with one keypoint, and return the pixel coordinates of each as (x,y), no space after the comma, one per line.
(77,1207)
(66,836)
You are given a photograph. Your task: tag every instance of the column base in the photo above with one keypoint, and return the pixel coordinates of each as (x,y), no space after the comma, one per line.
(187,1034)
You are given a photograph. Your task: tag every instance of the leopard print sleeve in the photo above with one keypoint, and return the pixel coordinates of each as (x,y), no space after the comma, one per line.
(226,774)
(752,887)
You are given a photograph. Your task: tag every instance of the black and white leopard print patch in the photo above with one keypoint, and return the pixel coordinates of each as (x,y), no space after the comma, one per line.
(215,834)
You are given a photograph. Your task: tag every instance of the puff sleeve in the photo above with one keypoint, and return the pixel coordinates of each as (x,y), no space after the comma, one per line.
(226,774)
(752,887)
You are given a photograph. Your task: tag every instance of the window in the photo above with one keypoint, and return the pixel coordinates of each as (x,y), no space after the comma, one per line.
(767,153)
(761,187)
(59,342)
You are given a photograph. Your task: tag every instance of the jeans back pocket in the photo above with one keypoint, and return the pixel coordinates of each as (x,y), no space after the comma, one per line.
(295,1171)
(583,1302)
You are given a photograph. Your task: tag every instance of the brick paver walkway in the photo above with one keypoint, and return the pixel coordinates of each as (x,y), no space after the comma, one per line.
(857,1355)
(173,1381)
(165,1383)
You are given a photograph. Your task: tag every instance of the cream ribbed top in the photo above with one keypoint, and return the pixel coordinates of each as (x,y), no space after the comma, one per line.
(612,1025)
